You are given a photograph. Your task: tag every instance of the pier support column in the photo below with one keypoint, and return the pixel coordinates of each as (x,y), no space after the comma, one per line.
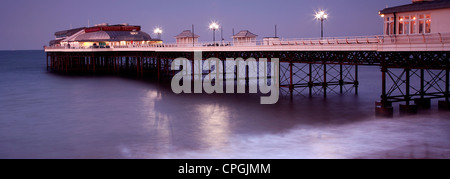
(356,83)
(422,103)
(341,79)
(324,85)
(138,65)
(445,105)
(158,67)
(408,108)
(310,83)
(384,108)
(94,60)
(115,64)
(142,66)
(46,60)
(291,81)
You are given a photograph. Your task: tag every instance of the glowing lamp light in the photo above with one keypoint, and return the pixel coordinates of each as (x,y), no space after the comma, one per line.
(317,16)
(214,26)
(321,15)
(157,31)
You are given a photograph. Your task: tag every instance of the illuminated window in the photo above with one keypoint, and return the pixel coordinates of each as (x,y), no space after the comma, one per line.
(421,23)
(428,26)
(392,28)
(407,25)
(407,30)
(425,23)
(389,26)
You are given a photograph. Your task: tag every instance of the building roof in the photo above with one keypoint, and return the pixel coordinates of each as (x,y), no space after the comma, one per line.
(187,34)
(106,27)
(69,32)
(54,42)
(114,36)
(245,33)
(418,6)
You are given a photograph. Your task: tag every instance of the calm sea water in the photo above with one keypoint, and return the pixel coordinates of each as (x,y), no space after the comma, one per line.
(45,115)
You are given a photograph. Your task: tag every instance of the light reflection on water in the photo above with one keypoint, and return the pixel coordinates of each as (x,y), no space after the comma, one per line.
(44,115)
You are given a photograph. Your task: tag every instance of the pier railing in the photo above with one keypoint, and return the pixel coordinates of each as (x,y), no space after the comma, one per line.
(416,39)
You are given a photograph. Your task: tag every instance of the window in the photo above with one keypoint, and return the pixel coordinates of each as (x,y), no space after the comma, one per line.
(421,27)
(400,27)
(392,28)
(389,26)
(407,30)
(401,23)
(424,23)
(408,24)
(428,26)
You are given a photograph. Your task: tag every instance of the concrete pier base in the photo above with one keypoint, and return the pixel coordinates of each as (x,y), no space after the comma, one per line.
(423,103)
(408,109)
(444,105)
(385,110)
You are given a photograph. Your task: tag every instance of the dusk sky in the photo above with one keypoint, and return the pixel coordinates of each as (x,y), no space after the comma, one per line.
(30,24)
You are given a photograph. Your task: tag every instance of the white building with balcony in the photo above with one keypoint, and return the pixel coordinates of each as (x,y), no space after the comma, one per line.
(419,17)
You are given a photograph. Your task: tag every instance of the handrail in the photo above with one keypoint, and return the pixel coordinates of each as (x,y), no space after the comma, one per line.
(379,40)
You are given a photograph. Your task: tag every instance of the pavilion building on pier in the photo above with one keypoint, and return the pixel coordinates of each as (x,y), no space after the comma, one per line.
(419,17)
(103,36)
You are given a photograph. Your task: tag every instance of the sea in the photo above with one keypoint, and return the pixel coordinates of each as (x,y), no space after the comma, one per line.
(56,116)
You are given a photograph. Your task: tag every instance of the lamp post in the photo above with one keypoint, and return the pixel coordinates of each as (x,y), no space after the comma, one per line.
(321,16)
(158,31)
(214,26)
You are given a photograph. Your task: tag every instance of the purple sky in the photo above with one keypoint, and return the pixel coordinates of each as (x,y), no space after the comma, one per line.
(30,24)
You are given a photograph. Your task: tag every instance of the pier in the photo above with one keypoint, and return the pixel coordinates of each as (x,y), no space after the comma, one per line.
(316,66)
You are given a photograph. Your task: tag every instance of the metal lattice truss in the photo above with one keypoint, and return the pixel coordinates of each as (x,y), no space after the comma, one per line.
(410,84)
(405,75)
(308,79)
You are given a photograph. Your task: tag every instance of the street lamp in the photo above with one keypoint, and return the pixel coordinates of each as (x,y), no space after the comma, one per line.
(158,31)
(321,16)
(214,26)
